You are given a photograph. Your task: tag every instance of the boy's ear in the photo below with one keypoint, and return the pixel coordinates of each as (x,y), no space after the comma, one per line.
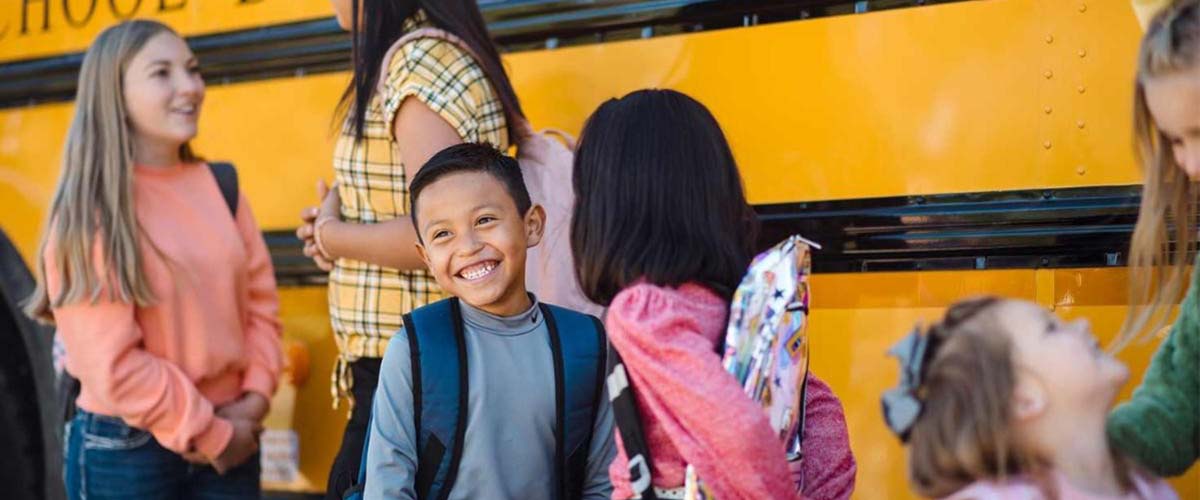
(421,252)
(535,225)
(1029,397)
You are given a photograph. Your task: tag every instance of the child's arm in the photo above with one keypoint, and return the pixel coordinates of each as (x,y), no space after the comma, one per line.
(597,485)
(1160,426)
(392,450)
(263,352)
(104,342)
(828,468)
(420,133)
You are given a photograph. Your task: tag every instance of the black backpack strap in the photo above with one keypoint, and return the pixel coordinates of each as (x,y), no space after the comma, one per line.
(629,424)
(577,343)
(438,356)
(227,180)
(441,368)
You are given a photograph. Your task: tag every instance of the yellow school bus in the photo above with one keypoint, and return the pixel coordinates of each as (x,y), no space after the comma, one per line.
(936,149)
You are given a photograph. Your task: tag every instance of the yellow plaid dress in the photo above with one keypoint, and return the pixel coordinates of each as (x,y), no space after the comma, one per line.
(366,301)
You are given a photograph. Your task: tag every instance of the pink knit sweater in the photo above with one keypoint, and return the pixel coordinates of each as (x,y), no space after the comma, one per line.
(828,469)
(692,410)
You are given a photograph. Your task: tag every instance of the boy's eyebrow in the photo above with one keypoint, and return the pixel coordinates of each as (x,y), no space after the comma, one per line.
(425,226)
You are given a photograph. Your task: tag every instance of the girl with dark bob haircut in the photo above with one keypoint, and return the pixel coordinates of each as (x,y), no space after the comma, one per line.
(661,235)
(659,199)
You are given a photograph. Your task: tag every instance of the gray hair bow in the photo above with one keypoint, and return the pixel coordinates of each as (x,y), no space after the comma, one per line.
(900,404)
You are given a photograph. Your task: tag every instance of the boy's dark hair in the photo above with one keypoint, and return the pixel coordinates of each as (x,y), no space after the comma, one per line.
(659,198)
(470,157)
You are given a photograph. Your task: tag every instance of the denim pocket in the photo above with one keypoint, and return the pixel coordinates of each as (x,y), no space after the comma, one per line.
(103,432)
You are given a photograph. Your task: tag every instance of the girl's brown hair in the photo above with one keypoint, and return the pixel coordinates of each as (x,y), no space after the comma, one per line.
(964,432)
(1165,236)
(93,203)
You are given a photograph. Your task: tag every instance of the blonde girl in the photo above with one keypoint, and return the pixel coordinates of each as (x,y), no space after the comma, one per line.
(164,300)
(1160,426)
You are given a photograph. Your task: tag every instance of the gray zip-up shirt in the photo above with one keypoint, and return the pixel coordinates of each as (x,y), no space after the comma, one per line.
(508,451)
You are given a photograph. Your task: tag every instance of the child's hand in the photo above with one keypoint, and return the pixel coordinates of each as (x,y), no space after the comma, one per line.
(330,208)
(251,406)
(241,447)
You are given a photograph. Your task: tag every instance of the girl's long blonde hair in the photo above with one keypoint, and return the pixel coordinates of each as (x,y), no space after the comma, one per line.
(93,202)
(1165,237)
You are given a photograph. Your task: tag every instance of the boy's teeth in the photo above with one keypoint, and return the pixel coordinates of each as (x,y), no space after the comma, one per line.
(478,271)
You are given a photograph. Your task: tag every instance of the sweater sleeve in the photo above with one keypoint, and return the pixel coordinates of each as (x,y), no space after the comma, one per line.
(678,377)
(1160,426)
(104,345)
(597,485)
(392,451)
(262,327)
(828,468)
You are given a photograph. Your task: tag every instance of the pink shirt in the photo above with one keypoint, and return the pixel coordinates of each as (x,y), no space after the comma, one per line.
(692,410)
(212,332)
(1145,488)
(828,469)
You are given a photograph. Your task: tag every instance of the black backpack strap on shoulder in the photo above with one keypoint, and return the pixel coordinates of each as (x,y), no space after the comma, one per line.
(559,403)
(227,180)
(440,395)
(577,342)
(629,424)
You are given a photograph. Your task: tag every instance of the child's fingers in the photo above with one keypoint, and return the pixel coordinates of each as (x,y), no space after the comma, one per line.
(304,232)
(309,214)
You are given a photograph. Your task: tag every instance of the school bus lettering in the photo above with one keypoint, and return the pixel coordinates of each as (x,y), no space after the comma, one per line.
(25,15)
(47,28)
(71,20)
(79,14)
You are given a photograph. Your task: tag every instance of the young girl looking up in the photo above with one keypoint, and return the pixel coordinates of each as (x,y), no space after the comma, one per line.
(1001,399)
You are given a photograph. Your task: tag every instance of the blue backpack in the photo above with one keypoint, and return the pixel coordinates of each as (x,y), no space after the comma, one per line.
(439,379)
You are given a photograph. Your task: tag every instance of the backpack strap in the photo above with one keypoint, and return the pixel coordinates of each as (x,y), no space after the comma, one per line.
(577,341)
(440,394)
(629,424)
(227,180)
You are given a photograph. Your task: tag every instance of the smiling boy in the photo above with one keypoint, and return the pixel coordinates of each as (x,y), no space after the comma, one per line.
(488,394)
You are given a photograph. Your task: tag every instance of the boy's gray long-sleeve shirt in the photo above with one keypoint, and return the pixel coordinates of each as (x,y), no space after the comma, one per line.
(508,451)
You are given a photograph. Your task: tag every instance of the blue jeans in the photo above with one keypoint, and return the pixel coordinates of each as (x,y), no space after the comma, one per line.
(107,459)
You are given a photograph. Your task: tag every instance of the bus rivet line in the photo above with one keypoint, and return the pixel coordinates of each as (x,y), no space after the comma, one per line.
(1082,8)
(1049,110)
(1049,38)
(1082,89)
(1047,145)
(1048,74)
(1081,170)
(1080,124)
(1082,53)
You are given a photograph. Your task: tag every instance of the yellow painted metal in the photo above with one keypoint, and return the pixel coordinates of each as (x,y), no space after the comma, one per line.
(947,98)
(938,99)
(38,28)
